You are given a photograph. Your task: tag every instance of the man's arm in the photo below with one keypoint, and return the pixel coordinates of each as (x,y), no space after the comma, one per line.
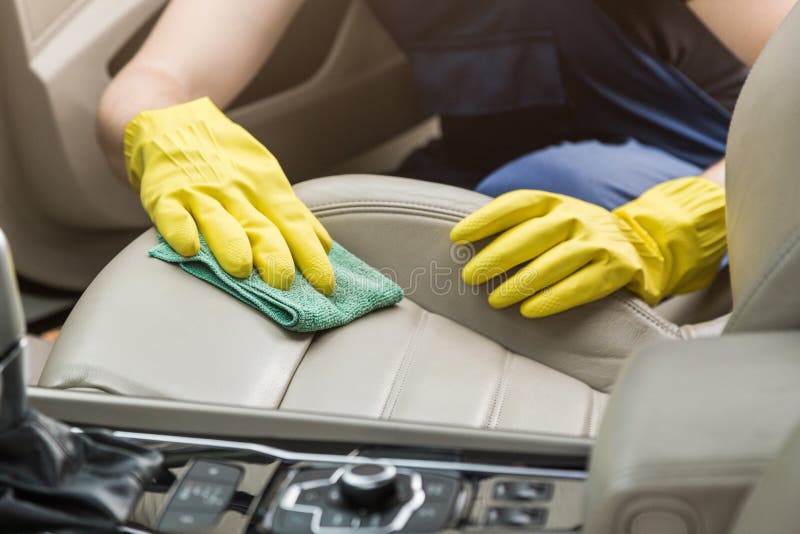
(197,48)
(716,173)
(744,26)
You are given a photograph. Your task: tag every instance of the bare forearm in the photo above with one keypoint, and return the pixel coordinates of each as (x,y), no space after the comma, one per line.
(133,90)
(744,26)
(716,173)
(197,48)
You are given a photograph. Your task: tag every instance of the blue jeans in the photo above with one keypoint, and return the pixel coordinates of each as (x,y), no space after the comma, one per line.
(608,175)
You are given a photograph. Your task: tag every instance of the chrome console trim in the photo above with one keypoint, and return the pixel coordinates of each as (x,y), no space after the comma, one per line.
(294,457)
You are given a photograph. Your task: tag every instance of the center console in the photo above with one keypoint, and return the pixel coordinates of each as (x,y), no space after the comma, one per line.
(335,475)
(229,486)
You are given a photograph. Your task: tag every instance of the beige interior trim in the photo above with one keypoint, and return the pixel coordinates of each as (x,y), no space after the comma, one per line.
(688,430)
(42,19)
(62,209)
(213,420)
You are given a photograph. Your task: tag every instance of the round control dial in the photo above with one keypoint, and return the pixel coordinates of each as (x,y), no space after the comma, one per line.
(369,485)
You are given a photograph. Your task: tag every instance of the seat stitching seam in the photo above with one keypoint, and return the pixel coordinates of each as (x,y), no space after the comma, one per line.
(401,373)
(487,420)
(589,417)
(302,357)
(665,327)
(501,392)
(427,216)
(367,202)
(490,412)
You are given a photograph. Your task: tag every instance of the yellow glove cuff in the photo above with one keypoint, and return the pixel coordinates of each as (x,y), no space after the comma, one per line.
(148,125)
(681,224)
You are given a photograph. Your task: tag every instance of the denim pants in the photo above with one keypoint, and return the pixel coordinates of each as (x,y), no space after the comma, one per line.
(605,174)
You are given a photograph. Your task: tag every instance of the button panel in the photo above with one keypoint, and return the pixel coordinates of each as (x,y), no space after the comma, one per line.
(516,517)
(201,496)
(430,517)
(422,502)
(292,522)
(523,490)
(519,503)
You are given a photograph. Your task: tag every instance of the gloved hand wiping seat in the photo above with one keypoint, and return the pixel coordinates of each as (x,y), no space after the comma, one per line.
(668,241)
(196,169)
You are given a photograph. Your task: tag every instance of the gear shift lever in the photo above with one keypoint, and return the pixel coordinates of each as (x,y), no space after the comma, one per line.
(13,400)
(51,476)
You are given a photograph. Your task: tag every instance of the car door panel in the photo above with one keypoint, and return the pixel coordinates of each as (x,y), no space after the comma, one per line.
(336,87)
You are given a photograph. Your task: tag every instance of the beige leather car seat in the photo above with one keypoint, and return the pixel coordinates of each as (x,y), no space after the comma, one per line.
(442,356)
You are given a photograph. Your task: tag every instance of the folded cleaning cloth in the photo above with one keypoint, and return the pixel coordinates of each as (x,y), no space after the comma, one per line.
(360,289)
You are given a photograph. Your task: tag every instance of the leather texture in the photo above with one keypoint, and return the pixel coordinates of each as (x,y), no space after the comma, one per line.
(442,356)
(763,188)
(402,227)
(394,364)
(689,429)
(772,506)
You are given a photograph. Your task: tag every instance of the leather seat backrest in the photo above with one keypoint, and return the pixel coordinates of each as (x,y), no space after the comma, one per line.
(763,188)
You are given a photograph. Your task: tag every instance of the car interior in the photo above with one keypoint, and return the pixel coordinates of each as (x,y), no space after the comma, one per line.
(439,413)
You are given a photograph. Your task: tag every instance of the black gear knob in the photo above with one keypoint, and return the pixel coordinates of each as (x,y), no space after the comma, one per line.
(13,399)
(369,485)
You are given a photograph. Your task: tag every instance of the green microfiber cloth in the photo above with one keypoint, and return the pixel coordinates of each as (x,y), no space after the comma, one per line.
(360,289)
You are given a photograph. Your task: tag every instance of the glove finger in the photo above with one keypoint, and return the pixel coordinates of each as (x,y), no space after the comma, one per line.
(548,269)
(176,226)
(322,234)
(513,247)
(502,213)
(271,254)
(307,250)
(293,219)
(225,236)
(586,285)
(310,256)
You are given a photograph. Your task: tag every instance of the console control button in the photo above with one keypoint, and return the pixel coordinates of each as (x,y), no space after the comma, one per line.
(291,522)
(379,519)
(306,475)
(186,521)
(516,517)
(369,485)
(200,497)
(523,491)
(333,496)
(439,488)
(214,472)
(430,517)
(332,517)
(312,496)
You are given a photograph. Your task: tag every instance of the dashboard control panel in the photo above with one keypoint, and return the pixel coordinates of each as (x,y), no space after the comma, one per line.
(217,486)
(371,497)
(200,497)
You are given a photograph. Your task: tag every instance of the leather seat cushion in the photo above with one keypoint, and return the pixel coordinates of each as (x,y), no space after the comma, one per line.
(406,363)
(145,328)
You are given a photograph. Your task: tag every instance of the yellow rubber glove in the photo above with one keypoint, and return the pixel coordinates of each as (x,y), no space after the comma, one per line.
(194,167)
(670,240)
